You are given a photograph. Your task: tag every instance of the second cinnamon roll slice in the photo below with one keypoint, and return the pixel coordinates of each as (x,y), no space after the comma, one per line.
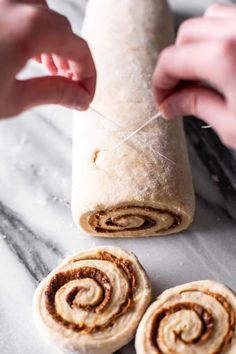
(194,318)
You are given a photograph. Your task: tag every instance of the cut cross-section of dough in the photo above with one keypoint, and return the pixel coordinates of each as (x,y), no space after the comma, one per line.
(194,318)
(93,301)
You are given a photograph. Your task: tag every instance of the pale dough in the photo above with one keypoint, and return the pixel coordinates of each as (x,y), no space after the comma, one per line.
(194,318)
(144,187)
(92,303)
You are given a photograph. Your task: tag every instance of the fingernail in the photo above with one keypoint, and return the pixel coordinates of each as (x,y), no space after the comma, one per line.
(81,102)
(82,108)
(169,111)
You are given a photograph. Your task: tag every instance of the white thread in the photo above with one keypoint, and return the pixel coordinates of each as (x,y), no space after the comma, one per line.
(134,133)
(137,130)
(207,126)
(102,116)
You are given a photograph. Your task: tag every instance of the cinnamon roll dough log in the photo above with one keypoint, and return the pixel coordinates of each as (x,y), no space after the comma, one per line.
(143,187)
(194,318)
(93,301)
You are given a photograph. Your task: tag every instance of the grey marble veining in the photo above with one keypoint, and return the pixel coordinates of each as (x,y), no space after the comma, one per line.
(36,228)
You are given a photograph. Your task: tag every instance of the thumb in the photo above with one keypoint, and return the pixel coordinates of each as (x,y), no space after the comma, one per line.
(50,90)
(194,100)
(203,103)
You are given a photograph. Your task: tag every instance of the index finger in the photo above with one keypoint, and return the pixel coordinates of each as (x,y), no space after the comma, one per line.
(46,34)
(192,62)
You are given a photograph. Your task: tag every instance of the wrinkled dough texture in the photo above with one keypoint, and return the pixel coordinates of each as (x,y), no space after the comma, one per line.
(150,170)
(91,319)
(194,318)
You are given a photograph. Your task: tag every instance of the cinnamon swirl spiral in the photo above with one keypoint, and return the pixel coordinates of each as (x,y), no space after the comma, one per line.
(195,318)
(129,220)
(93,302)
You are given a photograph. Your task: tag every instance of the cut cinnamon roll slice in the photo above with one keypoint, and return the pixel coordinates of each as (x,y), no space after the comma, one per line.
(195,318)
(93,301)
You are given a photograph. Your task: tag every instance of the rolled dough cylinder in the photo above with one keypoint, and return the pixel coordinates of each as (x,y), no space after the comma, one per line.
(144,186)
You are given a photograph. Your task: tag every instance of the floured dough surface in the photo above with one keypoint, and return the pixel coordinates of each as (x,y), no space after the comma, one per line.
(144,187)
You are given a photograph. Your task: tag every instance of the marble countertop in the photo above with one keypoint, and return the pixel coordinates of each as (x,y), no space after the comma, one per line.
(36,228)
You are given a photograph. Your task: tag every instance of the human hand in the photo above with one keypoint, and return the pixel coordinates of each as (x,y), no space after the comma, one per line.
(197,75)
(54,64)
(29,31)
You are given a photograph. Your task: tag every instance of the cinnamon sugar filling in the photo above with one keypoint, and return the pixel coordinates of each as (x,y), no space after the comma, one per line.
(206,318)
(62,278)
(148,222)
